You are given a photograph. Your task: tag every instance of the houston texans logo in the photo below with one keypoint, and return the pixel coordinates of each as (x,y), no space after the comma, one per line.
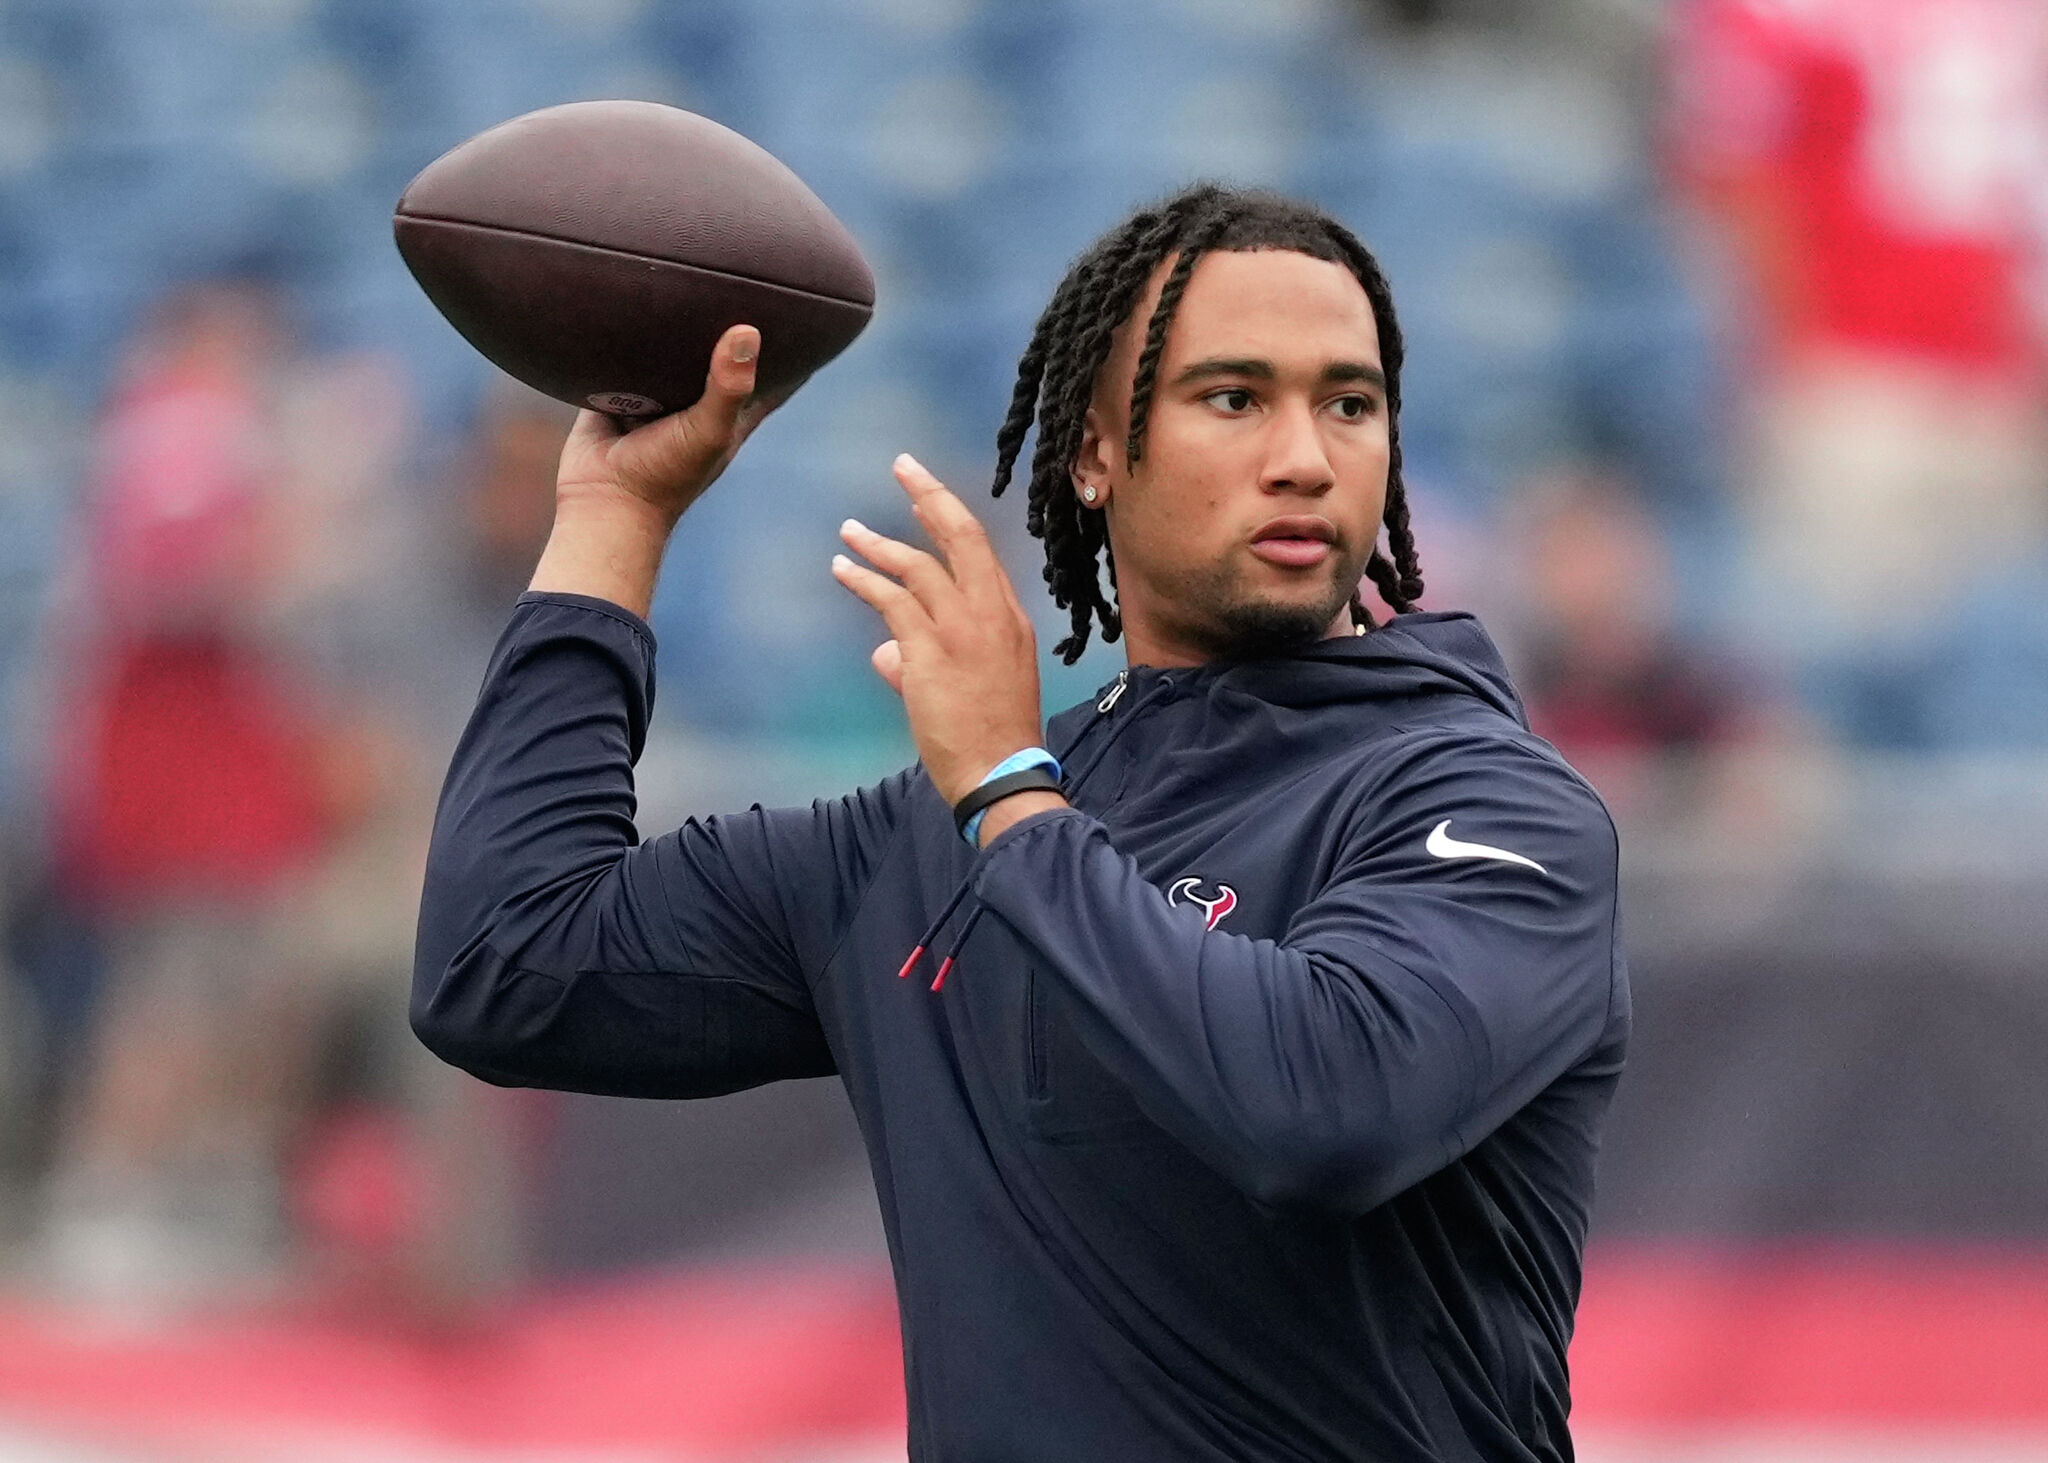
(1183,892)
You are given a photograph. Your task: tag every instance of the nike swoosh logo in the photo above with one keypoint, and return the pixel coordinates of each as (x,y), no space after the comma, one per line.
(1442,845)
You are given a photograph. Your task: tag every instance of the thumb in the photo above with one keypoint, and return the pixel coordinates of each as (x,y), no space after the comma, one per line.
(735,360)
(709,425)
(888,663)
(674,458)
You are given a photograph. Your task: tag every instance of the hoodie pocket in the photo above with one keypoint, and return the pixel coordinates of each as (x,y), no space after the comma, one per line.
(1070,1097)
(1034,1039)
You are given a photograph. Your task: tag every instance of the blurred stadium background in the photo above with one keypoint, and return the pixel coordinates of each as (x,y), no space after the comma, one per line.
(1725,409)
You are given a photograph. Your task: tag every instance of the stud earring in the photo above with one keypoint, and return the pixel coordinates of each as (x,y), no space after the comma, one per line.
(1088,494)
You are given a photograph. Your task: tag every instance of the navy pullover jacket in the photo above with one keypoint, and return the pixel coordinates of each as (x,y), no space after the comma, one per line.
(1256,1118)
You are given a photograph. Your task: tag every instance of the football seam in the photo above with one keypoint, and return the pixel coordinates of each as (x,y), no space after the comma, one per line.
(795,289)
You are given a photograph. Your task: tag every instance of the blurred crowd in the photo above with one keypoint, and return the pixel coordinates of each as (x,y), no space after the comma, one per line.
(258,642)
(1726,410)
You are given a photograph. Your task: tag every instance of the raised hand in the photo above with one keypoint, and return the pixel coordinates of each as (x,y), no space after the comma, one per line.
(619,492)
(669,462)
(962,653)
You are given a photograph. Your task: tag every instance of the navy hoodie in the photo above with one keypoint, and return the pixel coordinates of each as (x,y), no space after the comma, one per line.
(1255,1117)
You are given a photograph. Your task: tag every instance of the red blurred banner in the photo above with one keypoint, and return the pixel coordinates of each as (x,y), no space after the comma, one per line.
(718,1364)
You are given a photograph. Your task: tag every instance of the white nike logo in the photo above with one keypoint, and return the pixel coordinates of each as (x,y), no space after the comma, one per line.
(1442,845)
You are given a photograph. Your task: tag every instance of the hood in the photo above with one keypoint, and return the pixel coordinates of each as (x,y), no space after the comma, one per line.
(1439,652)
(1415,657)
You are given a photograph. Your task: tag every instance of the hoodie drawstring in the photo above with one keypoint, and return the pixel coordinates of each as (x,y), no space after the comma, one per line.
(959,943)
(925,941)
(1073,785)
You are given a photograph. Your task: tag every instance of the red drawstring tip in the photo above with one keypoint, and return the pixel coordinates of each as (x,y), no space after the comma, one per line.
(915,956)
(944,966)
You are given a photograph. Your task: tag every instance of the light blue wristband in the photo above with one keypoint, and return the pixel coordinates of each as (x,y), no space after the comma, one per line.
(1015,762)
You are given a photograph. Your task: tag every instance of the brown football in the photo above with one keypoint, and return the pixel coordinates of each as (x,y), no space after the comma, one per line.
(598,250)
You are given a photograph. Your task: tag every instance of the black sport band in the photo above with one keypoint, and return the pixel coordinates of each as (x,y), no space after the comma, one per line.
(1031,779)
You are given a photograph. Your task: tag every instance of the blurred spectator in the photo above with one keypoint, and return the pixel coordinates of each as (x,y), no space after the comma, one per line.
(413,1187)
(1515,202)
(1877,169)
(188,796)
(1610,679)
(408,1184)
(266,648)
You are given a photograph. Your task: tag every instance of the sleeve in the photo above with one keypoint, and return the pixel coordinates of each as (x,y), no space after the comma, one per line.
(1426,992)
(557,950)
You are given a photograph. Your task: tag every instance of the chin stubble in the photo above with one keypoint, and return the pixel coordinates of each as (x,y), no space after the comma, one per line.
(1230,624)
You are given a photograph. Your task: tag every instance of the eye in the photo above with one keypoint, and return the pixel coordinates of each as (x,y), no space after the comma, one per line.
(1355,408)
(1232,399)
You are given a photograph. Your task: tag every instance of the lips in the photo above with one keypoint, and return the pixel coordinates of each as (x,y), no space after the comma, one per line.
(1299,541)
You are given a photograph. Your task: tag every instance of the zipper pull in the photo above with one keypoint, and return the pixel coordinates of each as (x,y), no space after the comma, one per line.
(1109,699)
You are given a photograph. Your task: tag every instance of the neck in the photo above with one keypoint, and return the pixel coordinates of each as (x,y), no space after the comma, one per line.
(1161,648)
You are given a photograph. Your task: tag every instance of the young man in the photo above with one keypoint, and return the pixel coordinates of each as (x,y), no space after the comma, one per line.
(1245,1101)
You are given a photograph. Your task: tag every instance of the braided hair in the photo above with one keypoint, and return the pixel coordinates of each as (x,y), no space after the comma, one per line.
(1057,374)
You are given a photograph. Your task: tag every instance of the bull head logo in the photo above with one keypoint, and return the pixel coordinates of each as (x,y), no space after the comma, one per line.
(1213,910)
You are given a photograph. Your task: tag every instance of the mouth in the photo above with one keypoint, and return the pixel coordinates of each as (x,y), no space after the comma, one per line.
(1299,541)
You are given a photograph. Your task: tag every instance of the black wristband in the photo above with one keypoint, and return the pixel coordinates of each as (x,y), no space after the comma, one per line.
(1031,779)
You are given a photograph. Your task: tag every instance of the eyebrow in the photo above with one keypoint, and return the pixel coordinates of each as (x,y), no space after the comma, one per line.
(1258,370)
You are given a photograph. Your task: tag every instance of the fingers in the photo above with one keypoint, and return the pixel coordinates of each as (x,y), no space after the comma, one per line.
(921,574)
(897,606)
(930,593)
(955,529)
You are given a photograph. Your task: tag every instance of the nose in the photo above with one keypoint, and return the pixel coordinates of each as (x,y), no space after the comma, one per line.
(1296,461)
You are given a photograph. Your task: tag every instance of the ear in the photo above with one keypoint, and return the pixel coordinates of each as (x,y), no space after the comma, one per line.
(1096,460)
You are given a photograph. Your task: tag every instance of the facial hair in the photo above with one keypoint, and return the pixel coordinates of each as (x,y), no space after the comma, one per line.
(1230,622)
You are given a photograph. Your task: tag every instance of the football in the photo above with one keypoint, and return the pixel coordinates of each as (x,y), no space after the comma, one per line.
(597,251)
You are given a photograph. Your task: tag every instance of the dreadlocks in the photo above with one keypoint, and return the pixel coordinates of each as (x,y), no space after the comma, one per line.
(1057,373)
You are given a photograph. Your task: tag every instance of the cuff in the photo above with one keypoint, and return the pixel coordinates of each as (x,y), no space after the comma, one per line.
(590,602)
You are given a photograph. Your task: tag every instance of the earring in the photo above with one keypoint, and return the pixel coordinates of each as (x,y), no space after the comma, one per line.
(1088,494)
